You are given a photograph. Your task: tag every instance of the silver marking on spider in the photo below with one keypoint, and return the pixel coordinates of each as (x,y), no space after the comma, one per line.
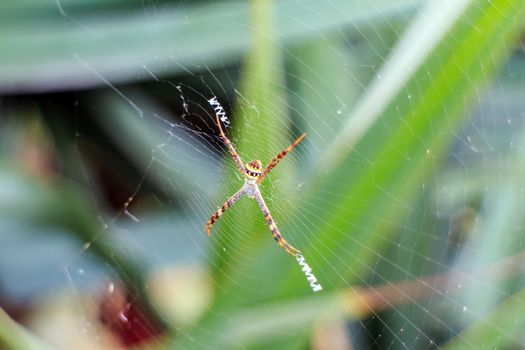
(250,188)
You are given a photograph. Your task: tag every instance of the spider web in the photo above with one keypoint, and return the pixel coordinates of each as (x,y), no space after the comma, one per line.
(152,161)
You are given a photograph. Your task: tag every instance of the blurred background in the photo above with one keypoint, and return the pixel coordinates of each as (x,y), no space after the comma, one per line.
(406,198)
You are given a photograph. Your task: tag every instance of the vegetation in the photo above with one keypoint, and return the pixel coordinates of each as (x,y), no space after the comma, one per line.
(410,244)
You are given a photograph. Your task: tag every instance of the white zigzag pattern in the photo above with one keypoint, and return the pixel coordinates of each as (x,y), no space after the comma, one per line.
(219,110)
(308,273)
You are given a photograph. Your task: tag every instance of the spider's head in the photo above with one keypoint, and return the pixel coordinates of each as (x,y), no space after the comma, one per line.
(253,169)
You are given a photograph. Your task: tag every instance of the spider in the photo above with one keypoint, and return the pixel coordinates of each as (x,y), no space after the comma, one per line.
(253,176)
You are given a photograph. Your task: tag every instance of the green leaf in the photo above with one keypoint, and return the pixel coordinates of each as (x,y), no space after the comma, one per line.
(15,337)
(383,157)
(59,44)
(65,207)
(501,328)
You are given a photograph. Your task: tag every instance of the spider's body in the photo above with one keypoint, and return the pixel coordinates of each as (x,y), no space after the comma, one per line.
(250,188)
(253,169)
(254,174)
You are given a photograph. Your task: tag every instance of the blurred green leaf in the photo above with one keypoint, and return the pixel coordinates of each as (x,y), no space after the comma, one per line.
(501,328)
(382,158)
(322,94)
(63,45)
(262,86)
(397,154)
(66,207)
(383,151)
(15,337)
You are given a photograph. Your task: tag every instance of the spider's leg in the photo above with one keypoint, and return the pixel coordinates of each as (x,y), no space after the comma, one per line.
(273,227)
(222,209)
(278,158)
(231,149)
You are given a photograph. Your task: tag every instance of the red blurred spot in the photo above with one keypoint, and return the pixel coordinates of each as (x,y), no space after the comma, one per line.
(126,319)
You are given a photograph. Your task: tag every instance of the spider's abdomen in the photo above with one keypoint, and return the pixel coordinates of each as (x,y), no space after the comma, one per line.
(253,169)
(250,188)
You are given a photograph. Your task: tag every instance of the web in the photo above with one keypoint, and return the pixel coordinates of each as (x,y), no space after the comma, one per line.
(405,198)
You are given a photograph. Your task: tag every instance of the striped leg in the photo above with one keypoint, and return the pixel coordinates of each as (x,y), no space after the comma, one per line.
(231,149)
(273,227)
(222,209)
(278,158)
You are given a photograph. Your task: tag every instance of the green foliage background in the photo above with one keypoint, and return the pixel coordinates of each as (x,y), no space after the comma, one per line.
(434,62)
